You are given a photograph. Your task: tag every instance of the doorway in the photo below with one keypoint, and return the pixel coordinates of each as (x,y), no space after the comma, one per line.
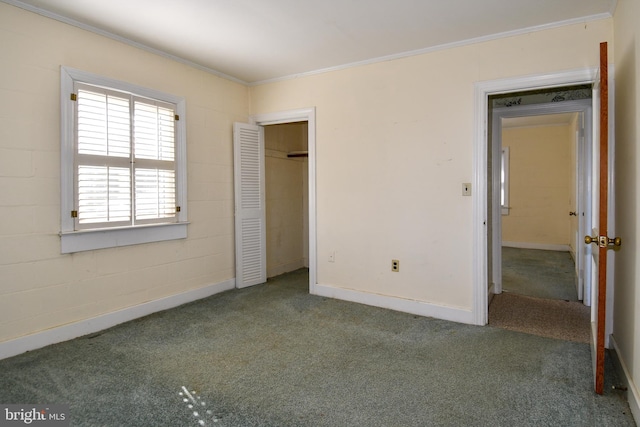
(286,197)
(539,152)
(487,211)
(539,205)
(550,208)
(308,116)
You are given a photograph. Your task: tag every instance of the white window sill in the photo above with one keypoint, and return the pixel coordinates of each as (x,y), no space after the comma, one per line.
(87,240)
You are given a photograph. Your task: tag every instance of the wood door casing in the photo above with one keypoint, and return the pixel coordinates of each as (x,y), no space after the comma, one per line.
(603,205)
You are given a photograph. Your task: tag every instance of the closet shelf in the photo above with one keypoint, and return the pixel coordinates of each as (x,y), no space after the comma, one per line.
(298,154)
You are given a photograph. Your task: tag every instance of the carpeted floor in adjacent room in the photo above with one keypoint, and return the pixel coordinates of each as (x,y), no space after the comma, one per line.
(540,296)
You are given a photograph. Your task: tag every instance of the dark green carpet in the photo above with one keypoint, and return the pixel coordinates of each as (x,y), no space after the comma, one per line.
(273,355)
(538,273)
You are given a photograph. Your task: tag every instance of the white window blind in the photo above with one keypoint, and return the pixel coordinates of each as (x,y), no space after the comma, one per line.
(125,169)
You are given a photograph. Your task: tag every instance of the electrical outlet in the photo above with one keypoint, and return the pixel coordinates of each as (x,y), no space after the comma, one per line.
(332,256)
(466,188)
(395,265)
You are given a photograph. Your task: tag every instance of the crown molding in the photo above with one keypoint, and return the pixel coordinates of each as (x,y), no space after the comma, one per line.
(444,46)
(385,58)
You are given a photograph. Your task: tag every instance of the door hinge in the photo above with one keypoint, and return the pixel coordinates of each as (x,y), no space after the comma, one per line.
(176,117)
(74,214)
(177,208)
(74,97)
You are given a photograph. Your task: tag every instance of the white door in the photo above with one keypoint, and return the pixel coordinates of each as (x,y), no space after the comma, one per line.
(248,154)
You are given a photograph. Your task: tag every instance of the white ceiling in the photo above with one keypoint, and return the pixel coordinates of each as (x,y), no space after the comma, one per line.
(260,40)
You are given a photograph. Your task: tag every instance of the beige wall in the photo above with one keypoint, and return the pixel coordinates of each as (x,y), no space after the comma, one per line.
(40,288)
(540,192)
(285,197)
(626,328)
(394,145)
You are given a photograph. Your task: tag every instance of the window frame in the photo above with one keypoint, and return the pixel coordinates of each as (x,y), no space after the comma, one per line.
(73,240)
(504,182)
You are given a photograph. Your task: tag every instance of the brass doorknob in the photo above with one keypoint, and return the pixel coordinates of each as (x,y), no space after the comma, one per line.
(603,241)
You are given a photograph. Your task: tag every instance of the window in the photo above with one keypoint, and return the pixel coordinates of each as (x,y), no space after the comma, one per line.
(504,181)
(123,164)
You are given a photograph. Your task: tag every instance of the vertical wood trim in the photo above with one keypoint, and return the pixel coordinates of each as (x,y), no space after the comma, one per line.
(603,217)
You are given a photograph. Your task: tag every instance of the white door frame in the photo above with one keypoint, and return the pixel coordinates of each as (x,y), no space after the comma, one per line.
(583,160)
(480,173)
(293,116)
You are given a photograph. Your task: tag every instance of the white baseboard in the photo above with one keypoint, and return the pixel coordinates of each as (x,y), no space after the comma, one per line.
(633,395)
(541,246)
(421,308)
(84,327)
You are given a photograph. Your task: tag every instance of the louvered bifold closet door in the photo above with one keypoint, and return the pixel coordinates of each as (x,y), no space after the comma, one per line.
(250,220)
